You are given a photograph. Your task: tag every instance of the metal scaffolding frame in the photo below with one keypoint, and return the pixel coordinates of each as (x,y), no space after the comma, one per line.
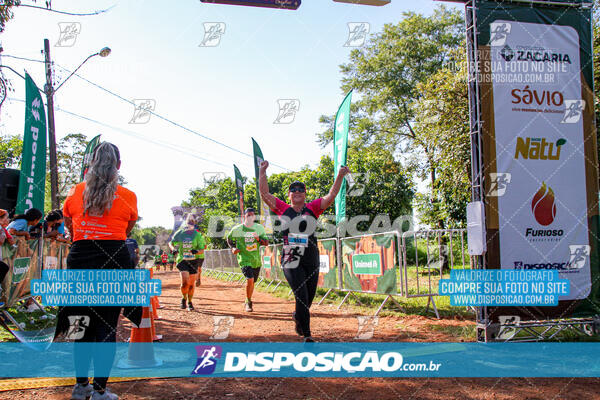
(518,331)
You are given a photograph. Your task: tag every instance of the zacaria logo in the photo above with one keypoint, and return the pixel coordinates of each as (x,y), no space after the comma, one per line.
(543,205)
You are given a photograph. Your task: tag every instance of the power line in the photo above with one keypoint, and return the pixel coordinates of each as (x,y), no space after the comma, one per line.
(176,124)
(66,12)
(167,119)
(22,58)
(135,135)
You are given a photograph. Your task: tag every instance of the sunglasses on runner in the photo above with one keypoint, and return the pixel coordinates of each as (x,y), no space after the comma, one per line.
(297,189)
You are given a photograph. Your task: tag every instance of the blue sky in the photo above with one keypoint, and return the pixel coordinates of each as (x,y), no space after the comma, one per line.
(227,92)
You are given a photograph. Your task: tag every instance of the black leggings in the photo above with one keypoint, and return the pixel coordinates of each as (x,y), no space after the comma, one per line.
(303,280)
(101,323)
(102,328)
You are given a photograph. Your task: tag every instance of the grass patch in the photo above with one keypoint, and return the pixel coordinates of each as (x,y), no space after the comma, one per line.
(28,321)
(466,333)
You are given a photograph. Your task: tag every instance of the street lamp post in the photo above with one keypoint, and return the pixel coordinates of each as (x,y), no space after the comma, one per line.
(50,91)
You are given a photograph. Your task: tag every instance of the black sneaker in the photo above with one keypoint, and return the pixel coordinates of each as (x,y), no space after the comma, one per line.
(183,304)
(297,327)
(248,306)
(309,339)
(190,306)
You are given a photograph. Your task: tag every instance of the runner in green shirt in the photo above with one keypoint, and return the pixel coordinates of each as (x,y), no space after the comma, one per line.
(189,245)
(244,240)
(171,260)
(157,261)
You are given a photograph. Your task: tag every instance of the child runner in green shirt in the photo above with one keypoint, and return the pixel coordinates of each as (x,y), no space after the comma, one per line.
(244,240)
(189,245)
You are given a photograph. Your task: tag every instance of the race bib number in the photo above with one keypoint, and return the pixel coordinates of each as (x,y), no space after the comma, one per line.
(188,255)
(298,239)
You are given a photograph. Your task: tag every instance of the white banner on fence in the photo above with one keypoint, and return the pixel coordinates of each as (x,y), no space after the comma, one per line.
(540,150)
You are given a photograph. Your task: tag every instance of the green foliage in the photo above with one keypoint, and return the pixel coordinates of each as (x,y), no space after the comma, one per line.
(147,235)
(218,199)
(393,77)
(442,121)
(11,149)
(69,157)
(6,12)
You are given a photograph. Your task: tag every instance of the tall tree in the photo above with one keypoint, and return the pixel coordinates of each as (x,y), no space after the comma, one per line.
(442,121)
(11,149)
(386,75)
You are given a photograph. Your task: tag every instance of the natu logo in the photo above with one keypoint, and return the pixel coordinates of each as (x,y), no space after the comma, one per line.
(538,149)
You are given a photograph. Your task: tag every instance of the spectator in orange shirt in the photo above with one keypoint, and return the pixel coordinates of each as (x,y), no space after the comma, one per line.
(99,215)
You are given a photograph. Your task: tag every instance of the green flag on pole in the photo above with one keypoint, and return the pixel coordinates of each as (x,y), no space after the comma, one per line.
(239,188)
(263,208)
(32,181)
(87,156)
(340,150)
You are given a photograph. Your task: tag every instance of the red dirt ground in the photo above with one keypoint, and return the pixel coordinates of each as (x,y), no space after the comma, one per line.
(271,322)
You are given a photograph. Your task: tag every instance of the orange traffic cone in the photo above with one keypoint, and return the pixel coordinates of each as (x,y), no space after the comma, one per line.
(141,350)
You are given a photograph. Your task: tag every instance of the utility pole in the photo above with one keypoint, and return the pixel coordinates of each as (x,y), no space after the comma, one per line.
(49,90)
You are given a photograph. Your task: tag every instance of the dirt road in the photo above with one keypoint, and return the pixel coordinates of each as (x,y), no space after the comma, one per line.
(271,321)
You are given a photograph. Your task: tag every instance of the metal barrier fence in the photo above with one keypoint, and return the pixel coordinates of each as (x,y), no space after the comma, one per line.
(425,255)
(390,264)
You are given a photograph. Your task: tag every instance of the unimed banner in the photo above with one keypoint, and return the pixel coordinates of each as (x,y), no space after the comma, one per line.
(539,147)
(268,257)
(23,262)
(328,272)
(32,180)
(368,264)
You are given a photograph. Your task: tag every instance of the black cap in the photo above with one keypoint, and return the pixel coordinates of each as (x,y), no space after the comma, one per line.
(297,184)
(249,210)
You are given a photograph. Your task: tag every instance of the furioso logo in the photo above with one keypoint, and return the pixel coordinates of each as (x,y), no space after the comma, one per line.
(543,206)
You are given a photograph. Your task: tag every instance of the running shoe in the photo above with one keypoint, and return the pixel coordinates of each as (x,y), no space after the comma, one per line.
(183,304)
(297,327)
(190,306)
(309,339)
(82,392)
(107,395)
(249,306)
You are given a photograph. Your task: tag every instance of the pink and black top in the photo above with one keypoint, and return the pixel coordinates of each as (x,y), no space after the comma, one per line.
(312,209)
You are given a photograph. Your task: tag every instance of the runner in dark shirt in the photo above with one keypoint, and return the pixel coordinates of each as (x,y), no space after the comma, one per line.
(300,258)
(134,250)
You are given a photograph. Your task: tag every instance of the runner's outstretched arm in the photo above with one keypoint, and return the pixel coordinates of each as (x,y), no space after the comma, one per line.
(263,186)
(335,188)
(130,226)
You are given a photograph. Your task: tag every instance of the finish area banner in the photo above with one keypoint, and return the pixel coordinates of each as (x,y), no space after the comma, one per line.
(539,145)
